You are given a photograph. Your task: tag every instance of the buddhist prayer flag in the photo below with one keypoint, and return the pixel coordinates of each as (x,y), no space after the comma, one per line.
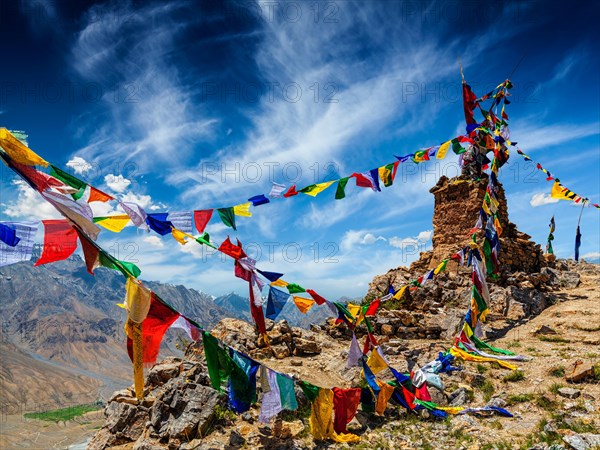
(276,190)
(60,241)
(8,234)
(91,253)
(340,192)
(441,154)
(577,243)
(96,195)
(235,251)
(158,222)
(242,209)
(201,219)
(316,297)
(345,405)
(321,419)
(136,213)
(258,200)
(227,216)
(271,401)
(303,304)
(560,192)
(137,301)
(242,382)
(314,189)
(70,180)
(291,192)
(275,303)
(388,173)
(294,288)
(182,220)
(79,213)
(365,179)
(218,362)
(40,180)
(113,223)
(158,320)
(19,152)
(279,282)
(271,276)
(469,103)
(354,353)
(23,248)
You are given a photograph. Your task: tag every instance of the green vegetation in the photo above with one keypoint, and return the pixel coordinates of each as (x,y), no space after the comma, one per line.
(515,375)
(502,445)
(545,403)
(588,329)
(518,398)
(513,344)
(62,414)
(557,371)
(487,388)
(554,387)
(481,368)
(558,339)
(596,368)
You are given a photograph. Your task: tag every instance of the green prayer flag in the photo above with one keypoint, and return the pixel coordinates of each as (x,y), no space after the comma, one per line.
(456,147)
(205,240)
(227,216)
(483,345)
(218,362)
(294,288)
(308,188)
(310,390)
(481,305)
(286,392)
(340,191)
(128,269)
(69,180)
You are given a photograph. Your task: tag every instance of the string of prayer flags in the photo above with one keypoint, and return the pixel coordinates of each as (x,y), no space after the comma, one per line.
(227,217)
(23,240)
(113,223)
(60,241)
(201,219)
(258,200)
(19,152)
(39,180)
(78,213)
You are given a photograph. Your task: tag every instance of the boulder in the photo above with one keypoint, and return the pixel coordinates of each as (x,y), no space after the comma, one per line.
(304,346)
(584,441)
(579,372)
(569,392)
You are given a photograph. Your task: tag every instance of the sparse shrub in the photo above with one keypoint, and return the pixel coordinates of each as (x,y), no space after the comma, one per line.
(515,375)
(557,371)
(488,389)
(518,398)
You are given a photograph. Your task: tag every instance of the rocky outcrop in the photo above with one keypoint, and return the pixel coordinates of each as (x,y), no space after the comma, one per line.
(179,406)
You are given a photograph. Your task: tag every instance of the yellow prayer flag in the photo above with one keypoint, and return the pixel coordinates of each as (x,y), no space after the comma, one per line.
(353,309)
(398,295)
(318,188)
(375,362)
(137,301)
(321,419)
(303,304)
(560,192)
(441,153)
(279,282)
(113,223)
(441,267)
(243,209)
(457,352)
(179,236)
(18,151)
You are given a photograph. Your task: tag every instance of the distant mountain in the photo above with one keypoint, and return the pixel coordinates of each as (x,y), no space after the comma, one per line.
(238,306)
(60,320)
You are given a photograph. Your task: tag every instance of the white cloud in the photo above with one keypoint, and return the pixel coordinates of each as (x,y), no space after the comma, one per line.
(117,183)
(541,199)
(29,205)
(533,134)
(591,255)
(369,239)
(424,236)
(411,243)
(154,241)
(352,238)
(79,165)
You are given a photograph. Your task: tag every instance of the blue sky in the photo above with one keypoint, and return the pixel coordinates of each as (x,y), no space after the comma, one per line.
(192,105)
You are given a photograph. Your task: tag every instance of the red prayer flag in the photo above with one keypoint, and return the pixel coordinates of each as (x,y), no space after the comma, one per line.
(257,312)
(469,103)
(96,195)
(157,322)
(422,393)
(410,397)
(362,181)
(90,253)
(345,405)
(231,249)
(40,180)
(369,340)
(242,273)
(60,241)
(316,297)
(201,219)
(373,307)
(291,192)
